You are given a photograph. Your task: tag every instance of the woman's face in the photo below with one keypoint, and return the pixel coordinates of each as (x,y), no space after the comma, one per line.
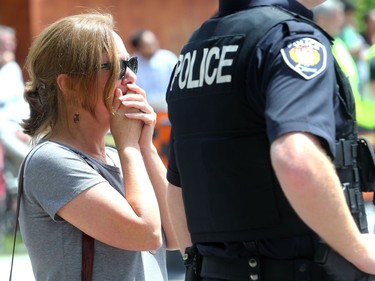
(129,77)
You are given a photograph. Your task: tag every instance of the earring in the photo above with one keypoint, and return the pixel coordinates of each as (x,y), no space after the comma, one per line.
(76,118)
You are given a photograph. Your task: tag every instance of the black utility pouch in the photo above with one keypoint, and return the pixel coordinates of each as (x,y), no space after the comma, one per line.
(193,261)
(366,164)
(338,268)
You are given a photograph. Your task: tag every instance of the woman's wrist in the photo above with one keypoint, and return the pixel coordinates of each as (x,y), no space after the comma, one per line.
(149,149)
(127,148)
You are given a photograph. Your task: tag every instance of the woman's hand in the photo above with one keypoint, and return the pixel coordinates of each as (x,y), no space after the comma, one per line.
(134,119)
(138,109)
(125,131)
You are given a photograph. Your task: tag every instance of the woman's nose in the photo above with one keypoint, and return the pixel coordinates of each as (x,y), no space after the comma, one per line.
(129,77)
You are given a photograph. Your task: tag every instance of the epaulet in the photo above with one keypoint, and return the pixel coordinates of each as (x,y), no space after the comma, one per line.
(300,18)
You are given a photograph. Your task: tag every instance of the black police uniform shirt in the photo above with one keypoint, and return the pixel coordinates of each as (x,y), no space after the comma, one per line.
(296,92)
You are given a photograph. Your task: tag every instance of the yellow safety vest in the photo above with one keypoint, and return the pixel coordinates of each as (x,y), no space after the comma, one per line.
(365,107)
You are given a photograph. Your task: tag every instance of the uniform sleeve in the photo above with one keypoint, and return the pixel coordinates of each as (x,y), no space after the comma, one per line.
(54,176)
(298,83)
(172,172)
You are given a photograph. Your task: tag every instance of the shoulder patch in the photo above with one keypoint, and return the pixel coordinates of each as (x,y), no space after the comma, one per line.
(306,56)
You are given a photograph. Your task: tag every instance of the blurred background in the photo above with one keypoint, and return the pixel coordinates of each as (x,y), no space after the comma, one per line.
(171,20)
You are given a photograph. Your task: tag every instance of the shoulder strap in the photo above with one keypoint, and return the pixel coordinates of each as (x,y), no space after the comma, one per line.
(20,187)
(87,257)
(87,241)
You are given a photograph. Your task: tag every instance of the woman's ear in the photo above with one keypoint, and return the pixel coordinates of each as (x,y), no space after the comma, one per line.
(63,82)
(67,86)
(68,89)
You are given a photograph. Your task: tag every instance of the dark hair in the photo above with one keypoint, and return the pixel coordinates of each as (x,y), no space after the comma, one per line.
(348,6)
(136,38)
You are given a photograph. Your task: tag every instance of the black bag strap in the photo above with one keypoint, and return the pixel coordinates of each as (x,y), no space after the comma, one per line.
(87,241)
(20,188)
(87,257)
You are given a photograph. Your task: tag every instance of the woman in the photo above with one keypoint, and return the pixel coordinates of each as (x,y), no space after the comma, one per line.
(82,83)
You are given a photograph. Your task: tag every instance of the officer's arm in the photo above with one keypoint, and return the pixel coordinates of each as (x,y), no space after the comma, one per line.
(309,181)
(178,218)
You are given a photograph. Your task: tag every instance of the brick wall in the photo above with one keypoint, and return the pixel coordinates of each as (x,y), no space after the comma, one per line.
(172,20)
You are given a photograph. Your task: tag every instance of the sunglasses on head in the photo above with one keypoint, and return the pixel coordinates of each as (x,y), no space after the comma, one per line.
(132,63)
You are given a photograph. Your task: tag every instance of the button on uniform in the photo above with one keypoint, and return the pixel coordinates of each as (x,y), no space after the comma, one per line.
(254,276)
(253,263)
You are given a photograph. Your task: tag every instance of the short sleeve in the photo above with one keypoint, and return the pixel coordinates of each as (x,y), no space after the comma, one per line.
(298,84)
(172,172)
(54,175)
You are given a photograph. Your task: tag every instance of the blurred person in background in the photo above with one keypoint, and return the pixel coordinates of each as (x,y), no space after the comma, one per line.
(13,107)
(354,41)
(369,32)
(155,67)
(369,35)
(330,16)
(14,143)
(12,104)
(349,33)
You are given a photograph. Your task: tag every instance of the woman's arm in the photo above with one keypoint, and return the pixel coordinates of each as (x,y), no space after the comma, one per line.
(131,222)
(157,173)
(155,167)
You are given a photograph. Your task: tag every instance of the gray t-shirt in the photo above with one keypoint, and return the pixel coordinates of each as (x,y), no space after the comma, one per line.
(55,174)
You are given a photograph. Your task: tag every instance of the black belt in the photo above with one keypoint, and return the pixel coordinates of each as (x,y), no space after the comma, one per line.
(261,269)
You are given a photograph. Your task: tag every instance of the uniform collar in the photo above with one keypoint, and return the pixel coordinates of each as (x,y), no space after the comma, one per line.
(230,6)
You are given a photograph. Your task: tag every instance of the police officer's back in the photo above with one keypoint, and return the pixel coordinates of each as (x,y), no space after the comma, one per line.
(257,118)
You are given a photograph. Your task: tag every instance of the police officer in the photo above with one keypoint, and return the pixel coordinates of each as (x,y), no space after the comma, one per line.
(259,112)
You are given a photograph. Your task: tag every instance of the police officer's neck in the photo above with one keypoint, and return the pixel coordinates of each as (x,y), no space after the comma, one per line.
(230,6)
(310,3)
(227,6)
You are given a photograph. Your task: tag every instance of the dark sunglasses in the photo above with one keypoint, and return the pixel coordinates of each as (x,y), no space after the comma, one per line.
(132,63)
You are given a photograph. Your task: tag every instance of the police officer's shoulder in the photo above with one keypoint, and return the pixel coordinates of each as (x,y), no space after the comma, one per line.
(308,46)
(296,29)
(288,31)
(300,46)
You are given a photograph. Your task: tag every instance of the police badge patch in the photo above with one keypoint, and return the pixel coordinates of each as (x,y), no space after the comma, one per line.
(306,56)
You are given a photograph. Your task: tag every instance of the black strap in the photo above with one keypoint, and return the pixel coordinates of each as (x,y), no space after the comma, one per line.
(20,188)
(87,257)
(87,241)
